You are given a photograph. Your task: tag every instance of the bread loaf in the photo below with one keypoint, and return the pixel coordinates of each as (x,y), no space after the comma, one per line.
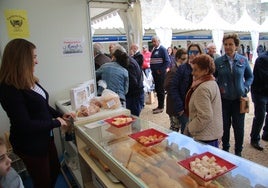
(170,171)
(135,168)
(149,152)
(187,181)
(147,157)
(136,158)
(157,171)
(199,180)
(148,178)
(167,182)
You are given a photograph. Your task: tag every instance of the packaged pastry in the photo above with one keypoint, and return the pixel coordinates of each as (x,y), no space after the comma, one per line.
(85,111)
(109,99)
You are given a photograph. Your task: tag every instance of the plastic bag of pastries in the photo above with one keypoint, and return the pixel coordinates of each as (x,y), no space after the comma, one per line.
(109,99)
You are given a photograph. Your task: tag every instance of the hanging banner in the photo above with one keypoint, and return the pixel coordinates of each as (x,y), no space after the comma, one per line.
(17,24)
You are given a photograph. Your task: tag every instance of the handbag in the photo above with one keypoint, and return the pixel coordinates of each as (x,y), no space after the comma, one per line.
(244,105)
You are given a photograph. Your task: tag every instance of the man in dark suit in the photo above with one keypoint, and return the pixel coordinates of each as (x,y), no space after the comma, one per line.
(135,53)
(259,94)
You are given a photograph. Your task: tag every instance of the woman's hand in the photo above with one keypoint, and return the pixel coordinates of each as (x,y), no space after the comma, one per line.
(69,116)
(62,121)
(64,125)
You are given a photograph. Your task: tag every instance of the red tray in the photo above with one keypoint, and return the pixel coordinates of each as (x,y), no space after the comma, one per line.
(147,133)
(186,164)
(112,121)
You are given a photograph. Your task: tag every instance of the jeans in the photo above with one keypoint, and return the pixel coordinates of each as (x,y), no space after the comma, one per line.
(183,119)
(135,104)
(214,143)
(260,113)
(232,116)
(174,123)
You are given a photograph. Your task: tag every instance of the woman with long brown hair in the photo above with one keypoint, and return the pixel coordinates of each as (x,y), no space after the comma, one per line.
(32,119)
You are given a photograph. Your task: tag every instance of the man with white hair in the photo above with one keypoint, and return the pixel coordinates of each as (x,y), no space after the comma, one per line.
(159,64)
(211,51)
(136,54)
(99,57)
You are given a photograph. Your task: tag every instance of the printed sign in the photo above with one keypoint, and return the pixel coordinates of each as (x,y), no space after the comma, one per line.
(17,24)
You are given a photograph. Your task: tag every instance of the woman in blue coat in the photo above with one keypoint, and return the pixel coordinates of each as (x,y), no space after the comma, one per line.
(234,77)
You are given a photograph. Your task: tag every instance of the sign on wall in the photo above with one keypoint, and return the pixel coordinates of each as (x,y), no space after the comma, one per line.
(73,46)
(17,24)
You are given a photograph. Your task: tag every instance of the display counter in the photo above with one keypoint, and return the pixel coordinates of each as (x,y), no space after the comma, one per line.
(110,158)
(65,107)
(68,141)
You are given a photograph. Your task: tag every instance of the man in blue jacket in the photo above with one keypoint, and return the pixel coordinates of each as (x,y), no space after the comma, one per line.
(159,63)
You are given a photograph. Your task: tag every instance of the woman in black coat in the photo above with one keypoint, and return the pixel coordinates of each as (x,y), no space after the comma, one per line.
(32,119)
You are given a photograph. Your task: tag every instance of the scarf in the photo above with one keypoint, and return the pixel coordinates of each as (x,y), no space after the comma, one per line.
(193,87)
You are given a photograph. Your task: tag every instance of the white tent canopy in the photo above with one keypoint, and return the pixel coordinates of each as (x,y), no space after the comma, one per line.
(112,21)
(213,21)
(160,16)
(264,25)
(167,17)
(245,23)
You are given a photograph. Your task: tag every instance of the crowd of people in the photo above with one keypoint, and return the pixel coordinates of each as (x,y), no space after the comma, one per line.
(203,89)
(203,92)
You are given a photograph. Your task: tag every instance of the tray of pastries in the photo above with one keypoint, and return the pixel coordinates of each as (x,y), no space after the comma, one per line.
(120,121)
(207,166)
(148,137)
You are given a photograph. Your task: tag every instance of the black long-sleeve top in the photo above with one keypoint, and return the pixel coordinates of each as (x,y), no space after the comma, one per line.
(31,119)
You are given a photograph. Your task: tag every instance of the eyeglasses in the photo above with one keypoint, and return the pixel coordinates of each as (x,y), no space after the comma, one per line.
(183,59)
(195,52)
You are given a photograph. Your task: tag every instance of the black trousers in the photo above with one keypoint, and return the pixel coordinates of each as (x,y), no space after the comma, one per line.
(159,78)
(43,170)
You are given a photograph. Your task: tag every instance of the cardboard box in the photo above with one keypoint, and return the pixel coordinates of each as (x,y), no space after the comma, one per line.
(149,97)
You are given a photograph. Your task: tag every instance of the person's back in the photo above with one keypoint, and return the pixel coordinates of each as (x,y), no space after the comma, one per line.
(135,78)
(259,94)
(135,95)
(116,78)
(260,82)
(99,57)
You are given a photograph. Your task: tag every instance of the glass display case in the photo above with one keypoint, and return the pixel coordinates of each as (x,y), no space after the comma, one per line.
(68,141)
(110,157)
